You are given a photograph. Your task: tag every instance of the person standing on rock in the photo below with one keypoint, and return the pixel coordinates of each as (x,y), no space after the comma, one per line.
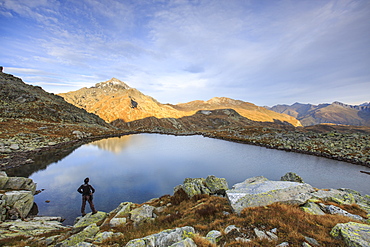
(87,192)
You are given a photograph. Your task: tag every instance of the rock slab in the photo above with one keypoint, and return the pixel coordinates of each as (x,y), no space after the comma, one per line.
(259,191)
(353,234)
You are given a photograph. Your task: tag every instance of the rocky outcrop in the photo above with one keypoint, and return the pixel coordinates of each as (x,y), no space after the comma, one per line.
(353,234)
(32,227)
(259,191)
(16,196)
(210,186)
(101,228)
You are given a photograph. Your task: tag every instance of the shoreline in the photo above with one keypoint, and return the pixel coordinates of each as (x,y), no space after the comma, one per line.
(24,158)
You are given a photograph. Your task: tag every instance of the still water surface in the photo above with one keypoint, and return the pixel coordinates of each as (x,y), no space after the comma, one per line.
(137,168)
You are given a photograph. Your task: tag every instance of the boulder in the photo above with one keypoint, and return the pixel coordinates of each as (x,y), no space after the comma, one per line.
(141,214)
(88,232)
(353,234)
(292,177)
(195,186)
(312,208)
(210,186)
(17,183)
(165,238)
(337,196)
(119,214)
(187,242)
(331,209)
(259,191)
(213,236)
(216,185)
(90,219)
(20,202)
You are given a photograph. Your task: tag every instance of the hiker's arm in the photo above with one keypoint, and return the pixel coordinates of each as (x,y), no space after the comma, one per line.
(80,190)
(92,189)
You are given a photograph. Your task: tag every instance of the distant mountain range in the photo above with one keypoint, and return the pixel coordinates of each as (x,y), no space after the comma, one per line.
(334,113)
(114,101)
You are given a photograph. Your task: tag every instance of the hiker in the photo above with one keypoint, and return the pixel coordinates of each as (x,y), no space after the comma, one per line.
(87,195)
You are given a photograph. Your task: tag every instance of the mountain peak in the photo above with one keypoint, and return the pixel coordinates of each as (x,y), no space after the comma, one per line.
(114,82)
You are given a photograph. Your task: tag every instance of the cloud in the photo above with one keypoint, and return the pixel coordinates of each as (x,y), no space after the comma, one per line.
(246,49)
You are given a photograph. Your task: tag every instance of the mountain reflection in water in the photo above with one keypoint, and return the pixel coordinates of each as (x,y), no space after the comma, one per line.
(137,168)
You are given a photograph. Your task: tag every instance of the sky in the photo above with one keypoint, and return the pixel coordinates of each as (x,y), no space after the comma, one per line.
(266,52)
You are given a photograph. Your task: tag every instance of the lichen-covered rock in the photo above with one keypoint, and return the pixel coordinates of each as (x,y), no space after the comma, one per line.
(88,232)
(120,214)
(148,241)
(195,186)
(362,200)
(337,196)
(187,242)
(312,208)
(213,236)
(19,183)
(19,201)
(142,214)
(259,191)
(216,185)
(165,238)
(30,228)
(353,234)
(115,222)
(101,236)
(90,219)
(292,177)
(331,209)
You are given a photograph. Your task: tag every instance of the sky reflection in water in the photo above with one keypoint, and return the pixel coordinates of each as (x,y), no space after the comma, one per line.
(137,168)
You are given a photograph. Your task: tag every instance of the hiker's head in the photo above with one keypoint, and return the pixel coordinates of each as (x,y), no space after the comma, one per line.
(86,180)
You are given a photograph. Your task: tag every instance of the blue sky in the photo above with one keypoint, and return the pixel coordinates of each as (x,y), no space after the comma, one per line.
(265,52)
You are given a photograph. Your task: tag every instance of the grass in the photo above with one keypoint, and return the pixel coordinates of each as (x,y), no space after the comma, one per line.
(206,213)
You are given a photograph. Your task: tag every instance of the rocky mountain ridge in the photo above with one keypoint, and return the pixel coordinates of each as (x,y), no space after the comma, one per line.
(335,113)
(114,100)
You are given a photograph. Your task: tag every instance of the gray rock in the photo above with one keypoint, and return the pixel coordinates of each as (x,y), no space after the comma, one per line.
(353,234)
(337,196)
(30,228)
(292,177)
(115,222)
(89,219)
(213,236)
(188,242)
(19,183)
(231,228)
(283,244)
(19,201)
(312,208)
(331,209)
(14,146)
(216,185)
(142,214)
(259,191)
(101,236)
(88,232)
(195,186)
(312,241)
(164,239)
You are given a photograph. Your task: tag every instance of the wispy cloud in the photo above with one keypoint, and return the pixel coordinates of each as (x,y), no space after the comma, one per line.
(265,52)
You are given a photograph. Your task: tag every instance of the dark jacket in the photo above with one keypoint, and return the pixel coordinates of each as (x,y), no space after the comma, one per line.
(86,189)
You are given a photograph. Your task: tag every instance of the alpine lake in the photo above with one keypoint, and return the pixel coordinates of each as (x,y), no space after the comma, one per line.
(140,167)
